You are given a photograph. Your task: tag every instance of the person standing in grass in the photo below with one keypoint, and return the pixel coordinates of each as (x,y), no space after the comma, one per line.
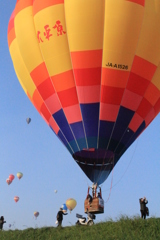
(143,209)
(60,217)
(2,222)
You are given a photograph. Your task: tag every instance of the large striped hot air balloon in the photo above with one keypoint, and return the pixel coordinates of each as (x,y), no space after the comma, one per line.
(92,70)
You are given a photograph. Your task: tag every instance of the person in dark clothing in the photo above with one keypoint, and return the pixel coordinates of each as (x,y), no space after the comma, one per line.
(60,217)
(143,209)
(89,197)
(99,195)
(2,222)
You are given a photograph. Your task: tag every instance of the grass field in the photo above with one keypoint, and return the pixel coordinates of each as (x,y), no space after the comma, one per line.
(123,229)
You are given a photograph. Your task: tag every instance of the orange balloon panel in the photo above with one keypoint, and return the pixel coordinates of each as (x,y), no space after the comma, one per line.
(91,69)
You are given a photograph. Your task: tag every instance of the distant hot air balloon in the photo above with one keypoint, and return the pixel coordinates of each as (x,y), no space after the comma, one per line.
(71,203)
(91,69)
(28,120)
(64,207)
(36,214)
(11,177)
(8,181)
(19,175)
(55,191)
(16,198)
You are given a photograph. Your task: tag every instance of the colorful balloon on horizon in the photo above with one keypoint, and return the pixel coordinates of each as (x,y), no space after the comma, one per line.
(97,86)
(19,175)
(36,214)
(16,198)
(8,181)
(11,177)
(71,203)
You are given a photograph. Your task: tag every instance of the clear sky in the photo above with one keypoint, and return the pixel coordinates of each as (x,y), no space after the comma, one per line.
(35,151)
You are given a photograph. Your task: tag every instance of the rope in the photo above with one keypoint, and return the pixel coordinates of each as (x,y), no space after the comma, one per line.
(111,185)
(126,168)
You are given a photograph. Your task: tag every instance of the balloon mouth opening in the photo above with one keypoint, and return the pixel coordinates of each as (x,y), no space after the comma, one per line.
(94,156)
(96,164)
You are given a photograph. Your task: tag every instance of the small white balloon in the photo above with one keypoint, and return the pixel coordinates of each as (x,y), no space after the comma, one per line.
(55,191)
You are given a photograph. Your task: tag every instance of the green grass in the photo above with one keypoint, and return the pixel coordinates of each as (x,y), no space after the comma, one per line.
(124,228)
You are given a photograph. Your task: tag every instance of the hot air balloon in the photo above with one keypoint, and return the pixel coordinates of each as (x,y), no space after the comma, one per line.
(11,177)
(71,203)
(8,181)
(16,198)
(36,214)
(64,207)
(91,69)
(28,120)
(19,175)
(55,191)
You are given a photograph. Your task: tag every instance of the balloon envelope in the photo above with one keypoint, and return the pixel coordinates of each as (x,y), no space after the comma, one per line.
(8,181)
(36,214)
(71,203)
(64,207)
(11,177)
(91,69)
(16,198)
(28,120)
(19,175)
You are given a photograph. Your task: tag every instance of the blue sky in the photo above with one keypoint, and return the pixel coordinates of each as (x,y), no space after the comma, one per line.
(35,151)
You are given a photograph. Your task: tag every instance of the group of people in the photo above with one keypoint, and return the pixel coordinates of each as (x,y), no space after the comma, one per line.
(94,193)
(143,209)
(89,197)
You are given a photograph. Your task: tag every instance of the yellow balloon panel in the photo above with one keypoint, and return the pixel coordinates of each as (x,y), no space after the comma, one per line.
(21,70)
(52,37)
(149,41)
(27,39)
(84,20)
(122,26)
